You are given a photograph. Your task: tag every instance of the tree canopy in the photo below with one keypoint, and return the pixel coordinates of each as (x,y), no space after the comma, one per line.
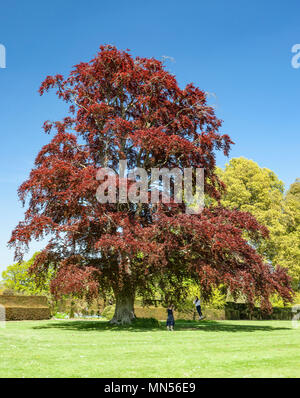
(260,192)
(131,108)
(288,254)
(18,278)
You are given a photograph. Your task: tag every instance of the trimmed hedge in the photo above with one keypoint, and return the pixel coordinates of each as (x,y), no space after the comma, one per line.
(19,308)
(240,311)
(22,313)
(160,313)
(24,301)
(232,311)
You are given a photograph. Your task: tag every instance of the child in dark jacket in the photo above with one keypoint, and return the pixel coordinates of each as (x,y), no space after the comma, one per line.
(170,319)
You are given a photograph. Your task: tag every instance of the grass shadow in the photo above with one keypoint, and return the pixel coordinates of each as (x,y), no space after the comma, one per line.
(221,326)
(140,326)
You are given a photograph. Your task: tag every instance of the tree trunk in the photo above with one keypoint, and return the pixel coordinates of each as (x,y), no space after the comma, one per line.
(124,312)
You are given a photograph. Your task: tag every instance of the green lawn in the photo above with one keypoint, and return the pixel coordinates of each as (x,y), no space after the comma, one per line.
(195,349)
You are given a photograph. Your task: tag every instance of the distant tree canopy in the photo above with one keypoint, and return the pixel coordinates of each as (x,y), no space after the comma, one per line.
(288,254)
(260,192)
(294,191)
(17,277)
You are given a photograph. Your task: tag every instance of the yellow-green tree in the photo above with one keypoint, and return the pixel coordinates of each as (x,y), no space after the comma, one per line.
(17,277)
(288,254)
(260,192)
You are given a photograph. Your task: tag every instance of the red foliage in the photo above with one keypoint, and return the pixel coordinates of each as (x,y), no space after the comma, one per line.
(126,108)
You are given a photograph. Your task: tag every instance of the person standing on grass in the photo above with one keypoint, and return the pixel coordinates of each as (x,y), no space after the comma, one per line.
(198,307)
(170,319)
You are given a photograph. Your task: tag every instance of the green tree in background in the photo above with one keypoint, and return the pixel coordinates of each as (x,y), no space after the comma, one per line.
(260,192)
(288,254)
(17,277)
(294,190)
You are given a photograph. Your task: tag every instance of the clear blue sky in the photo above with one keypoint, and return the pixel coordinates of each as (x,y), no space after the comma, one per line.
(239,50)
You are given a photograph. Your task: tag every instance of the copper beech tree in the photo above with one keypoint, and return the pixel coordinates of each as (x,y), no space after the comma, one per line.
(125,108)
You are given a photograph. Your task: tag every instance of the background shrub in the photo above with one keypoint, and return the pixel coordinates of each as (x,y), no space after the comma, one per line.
(8,292)
(61,315)
(108,312)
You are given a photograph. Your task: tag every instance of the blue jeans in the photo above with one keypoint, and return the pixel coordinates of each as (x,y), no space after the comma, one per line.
(199,310)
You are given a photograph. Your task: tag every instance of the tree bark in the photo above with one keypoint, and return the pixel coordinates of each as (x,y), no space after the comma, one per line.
(124,312)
